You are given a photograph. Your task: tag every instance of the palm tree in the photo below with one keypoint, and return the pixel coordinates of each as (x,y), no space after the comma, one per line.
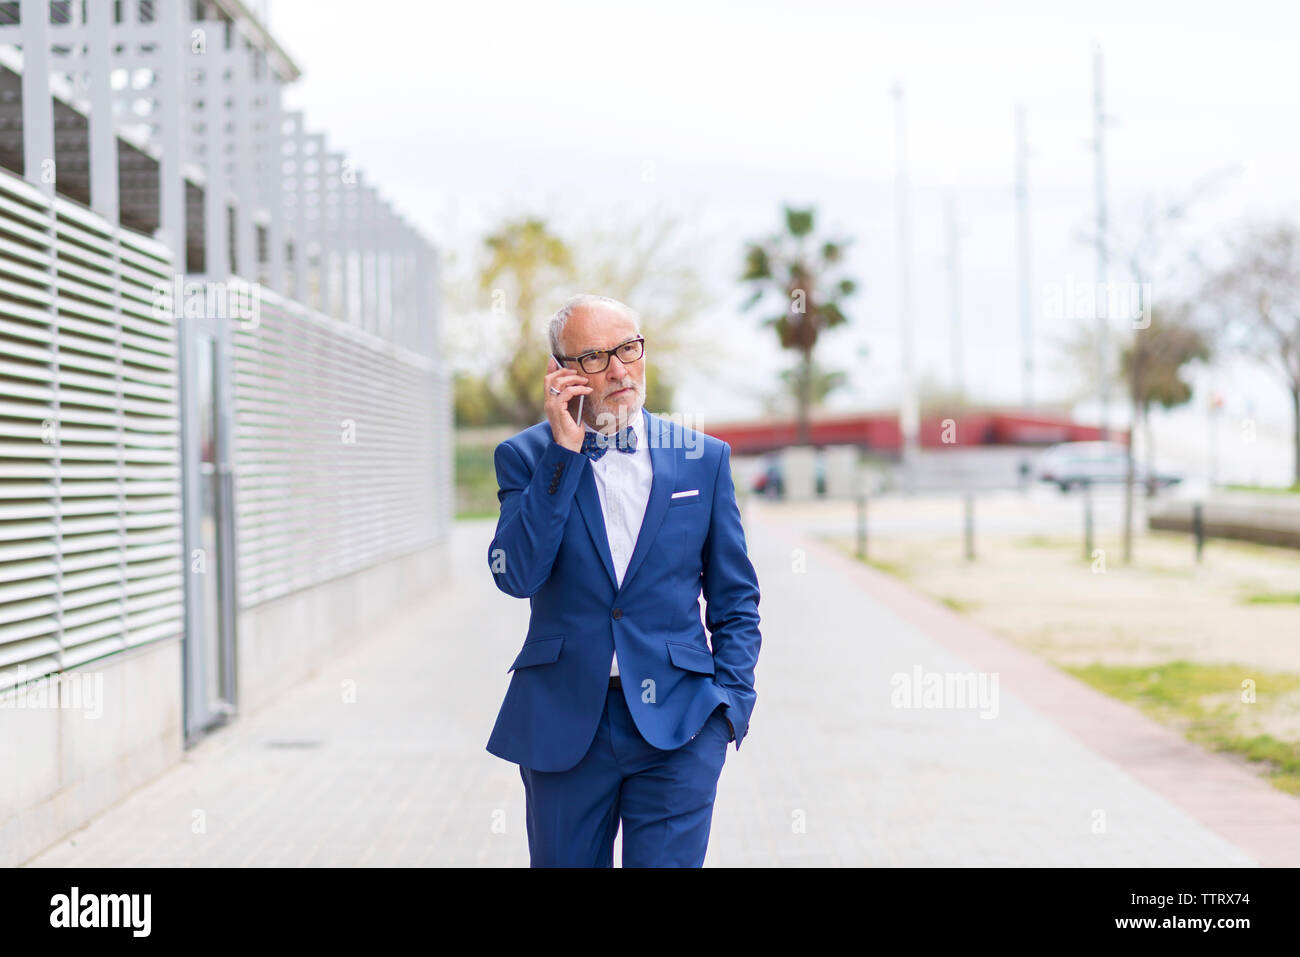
(801,272)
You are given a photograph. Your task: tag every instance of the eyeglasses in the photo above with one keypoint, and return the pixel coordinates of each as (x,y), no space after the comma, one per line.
(598,360)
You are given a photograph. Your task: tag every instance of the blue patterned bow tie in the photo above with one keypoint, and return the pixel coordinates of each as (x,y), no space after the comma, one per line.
(596,444)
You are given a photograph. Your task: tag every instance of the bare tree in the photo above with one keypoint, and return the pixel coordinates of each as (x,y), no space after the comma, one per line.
(654,265)
(1260,290)
(1148,261)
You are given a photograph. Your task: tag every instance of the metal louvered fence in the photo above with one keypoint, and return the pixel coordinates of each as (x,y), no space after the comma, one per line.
(90,521)
(196,511)
(342,450)
(341,443)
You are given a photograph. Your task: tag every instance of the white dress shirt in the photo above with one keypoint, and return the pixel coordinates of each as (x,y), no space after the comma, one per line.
(623,481)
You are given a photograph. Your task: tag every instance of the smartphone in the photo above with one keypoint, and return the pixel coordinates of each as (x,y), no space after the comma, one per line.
(575,405)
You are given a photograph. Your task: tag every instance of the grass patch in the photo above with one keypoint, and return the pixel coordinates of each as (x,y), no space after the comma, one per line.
(1204,702)
(1269,489)
(889,568)
(1040,541)
(476,481)
(849,547)
(1272,598)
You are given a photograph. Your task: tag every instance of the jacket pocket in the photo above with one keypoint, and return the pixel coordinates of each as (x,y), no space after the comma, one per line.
(689,658)
(541,651)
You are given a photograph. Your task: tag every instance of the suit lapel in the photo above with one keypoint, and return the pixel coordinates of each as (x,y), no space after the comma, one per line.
(663,462)
(589,506)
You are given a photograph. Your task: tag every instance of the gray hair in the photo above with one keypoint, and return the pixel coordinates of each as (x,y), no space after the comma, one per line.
(555,327)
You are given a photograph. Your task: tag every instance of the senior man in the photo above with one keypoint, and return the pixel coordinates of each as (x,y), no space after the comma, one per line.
(618,709)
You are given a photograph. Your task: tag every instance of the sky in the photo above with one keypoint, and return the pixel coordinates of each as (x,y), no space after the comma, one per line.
(465,113)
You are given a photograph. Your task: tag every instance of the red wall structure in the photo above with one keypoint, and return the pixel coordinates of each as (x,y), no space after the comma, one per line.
(880,432)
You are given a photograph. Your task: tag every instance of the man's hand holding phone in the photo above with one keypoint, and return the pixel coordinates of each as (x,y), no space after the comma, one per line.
(562,386)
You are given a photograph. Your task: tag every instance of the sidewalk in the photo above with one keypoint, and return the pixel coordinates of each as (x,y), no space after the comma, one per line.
(830,774)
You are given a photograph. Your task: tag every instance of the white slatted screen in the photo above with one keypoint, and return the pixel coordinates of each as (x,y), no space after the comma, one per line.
(342,450)
(90,539)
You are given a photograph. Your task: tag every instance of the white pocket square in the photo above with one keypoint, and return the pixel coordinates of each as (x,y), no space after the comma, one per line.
(686,494)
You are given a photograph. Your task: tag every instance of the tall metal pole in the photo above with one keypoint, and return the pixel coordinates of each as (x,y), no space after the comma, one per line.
(1215,405)
(952,257)
(1023,250)
(174,111)
(37,108)
(1102,299)
(909,414)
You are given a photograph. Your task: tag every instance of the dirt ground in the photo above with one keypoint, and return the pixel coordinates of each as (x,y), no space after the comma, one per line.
(1031,583)
(1041,593)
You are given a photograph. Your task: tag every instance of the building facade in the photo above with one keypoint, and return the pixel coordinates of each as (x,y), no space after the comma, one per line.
(225,423)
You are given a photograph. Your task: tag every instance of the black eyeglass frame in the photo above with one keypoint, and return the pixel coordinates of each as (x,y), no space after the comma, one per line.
(606,353)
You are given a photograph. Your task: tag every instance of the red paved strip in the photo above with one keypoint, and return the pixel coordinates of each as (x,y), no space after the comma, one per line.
(1241,807)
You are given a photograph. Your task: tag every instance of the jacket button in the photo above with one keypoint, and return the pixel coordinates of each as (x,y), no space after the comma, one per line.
(618,613)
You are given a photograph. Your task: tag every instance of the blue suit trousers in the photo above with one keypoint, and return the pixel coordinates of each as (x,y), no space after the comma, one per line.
(664,798)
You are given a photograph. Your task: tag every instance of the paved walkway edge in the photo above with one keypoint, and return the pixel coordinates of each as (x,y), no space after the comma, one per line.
(1233,802)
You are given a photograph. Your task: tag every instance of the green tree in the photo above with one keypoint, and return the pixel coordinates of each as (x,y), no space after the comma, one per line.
(474,402)
(526,263)
(1153,365)
(824,381)
(803,274)
(501,295)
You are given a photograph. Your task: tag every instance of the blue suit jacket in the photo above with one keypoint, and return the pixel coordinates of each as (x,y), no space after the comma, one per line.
(551,547)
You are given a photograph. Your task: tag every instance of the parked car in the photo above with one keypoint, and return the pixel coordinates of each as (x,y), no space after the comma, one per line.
(1071,464)
(770,484)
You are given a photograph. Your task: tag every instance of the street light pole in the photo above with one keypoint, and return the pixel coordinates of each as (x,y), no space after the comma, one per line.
(909,415)
(1023,248)
(1099,162)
